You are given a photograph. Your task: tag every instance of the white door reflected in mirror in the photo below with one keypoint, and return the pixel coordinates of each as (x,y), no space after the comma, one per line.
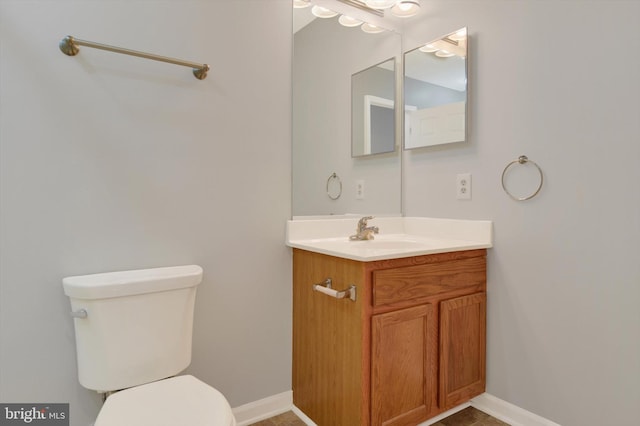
(436,125)
(435,84)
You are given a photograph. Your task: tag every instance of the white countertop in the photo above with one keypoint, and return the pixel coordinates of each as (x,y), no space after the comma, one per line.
(398,236)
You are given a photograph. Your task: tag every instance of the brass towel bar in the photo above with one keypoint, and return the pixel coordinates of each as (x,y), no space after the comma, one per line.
(69,46)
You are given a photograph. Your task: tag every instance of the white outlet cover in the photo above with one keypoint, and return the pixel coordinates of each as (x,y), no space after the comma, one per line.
(463,186)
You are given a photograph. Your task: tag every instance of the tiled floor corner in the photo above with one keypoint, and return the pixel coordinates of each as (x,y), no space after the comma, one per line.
(470,417)
(286,419)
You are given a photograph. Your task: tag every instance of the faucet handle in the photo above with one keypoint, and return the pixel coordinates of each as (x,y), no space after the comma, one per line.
(363,232)
(365,219)
(362,223)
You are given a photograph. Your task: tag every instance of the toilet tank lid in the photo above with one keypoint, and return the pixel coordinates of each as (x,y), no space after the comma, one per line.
(127,283)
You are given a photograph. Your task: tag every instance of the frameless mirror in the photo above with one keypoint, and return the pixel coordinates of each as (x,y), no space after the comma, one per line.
(326,178)
(372,110)
(435,92)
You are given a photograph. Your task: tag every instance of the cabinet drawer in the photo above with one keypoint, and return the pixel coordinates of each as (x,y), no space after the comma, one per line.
(421,281)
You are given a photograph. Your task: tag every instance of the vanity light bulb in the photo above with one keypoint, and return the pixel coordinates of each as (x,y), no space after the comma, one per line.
(348,21)
(380,4)
(444,54)
(459,35)
(428,48)
(371,29)
(300,4)
(322,12)
(406,8)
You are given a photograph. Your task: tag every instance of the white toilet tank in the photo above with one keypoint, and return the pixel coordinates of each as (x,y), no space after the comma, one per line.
(132,327)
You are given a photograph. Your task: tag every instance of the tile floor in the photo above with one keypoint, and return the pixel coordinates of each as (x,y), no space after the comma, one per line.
(470,417)
(467,417)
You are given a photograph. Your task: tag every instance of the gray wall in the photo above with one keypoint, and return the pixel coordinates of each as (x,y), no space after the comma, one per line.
(426,95)
(112,162)
(557,81)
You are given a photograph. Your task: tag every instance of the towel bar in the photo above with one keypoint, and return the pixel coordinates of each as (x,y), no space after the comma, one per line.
(69,46)
(325,287)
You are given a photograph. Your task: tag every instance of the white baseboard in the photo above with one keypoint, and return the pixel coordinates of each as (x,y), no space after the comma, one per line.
(507,412)
(263,409)
(502,410)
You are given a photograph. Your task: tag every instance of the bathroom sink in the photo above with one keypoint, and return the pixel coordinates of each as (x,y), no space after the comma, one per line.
(398,237)
(380,242)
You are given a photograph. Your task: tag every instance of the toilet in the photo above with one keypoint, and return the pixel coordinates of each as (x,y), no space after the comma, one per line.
(133,338)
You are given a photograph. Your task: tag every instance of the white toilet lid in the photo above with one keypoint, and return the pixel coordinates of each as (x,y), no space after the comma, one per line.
(178,401)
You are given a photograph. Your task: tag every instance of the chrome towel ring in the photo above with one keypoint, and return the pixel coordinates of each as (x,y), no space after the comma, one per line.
(522,160)
(335,194)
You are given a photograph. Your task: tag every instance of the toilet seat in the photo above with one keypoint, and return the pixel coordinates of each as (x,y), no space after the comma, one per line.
(178,401)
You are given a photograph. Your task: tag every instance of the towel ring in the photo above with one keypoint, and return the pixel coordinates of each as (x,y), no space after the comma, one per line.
(331,178)
(522,160)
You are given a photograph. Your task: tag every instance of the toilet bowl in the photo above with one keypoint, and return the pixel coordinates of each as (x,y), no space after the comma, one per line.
(133,337)
(177,401)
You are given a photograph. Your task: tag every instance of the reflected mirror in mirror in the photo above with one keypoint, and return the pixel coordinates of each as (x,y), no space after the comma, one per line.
(372,110)
(435,92)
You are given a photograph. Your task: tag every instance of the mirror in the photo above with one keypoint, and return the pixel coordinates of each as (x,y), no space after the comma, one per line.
(435,92)
(372,110)
(326,55)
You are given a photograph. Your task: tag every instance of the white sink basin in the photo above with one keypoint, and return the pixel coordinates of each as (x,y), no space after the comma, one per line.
(404,237)
(390,244)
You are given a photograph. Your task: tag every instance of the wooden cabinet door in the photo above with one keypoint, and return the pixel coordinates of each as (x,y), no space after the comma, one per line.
(403,369)
(462,348)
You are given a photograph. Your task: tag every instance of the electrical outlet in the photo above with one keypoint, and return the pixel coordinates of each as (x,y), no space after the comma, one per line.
(360,190)
(463,186)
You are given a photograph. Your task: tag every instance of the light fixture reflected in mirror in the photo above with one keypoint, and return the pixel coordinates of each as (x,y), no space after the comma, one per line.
(323,9)
(323,12)
(348,21)
(444,54)
(371,29)
(380,4)
(406,8)
(428,48)
(300,4)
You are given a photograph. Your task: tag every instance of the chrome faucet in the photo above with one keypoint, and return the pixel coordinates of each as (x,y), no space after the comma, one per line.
(364,232)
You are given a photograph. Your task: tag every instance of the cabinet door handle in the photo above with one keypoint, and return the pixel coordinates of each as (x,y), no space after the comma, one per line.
(325,287)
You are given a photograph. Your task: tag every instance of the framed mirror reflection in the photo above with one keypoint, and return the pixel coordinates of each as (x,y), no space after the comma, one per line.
(435,92)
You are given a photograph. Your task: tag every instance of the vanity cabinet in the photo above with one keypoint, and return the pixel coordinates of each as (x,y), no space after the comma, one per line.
(411,346)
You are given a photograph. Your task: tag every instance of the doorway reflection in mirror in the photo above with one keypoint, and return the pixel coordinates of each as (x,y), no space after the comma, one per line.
(372,110)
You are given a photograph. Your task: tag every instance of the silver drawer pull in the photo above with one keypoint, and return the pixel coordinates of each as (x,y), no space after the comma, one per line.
(325,287)
(81,313)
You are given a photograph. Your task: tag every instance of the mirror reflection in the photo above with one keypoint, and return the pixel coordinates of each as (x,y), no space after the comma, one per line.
(325,57)
(435,91)
(372,110)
